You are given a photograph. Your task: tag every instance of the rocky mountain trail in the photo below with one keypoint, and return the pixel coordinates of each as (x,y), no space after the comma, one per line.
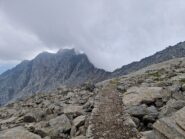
(147,104)
(47,71)
(108,119)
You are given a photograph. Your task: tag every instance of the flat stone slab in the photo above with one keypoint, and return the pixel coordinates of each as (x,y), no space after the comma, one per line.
(18,133)
(171,127)
(136,95)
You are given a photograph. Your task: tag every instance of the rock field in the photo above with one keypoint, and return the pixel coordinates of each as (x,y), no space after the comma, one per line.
(147,104)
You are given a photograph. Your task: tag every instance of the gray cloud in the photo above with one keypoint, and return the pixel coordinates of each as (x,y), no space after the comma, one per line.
(111,33)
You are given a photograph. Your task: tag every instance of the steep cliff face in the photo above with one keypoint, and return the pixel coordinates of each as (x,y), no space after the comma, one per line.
(46,72)
(170,52)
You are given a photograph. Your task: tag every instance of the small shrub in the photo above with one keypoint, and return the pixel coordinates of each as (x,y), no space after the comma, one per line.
(155,74)
(114,81)
(182,80)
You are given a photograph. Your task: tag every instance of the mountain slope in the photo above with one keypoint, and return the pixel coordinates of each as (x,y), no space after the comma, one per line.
(46,72)
(170,52)
(147,104)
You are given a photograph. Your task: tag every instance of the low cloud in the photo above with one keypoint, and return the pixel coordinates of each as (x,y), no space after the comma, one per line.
(111,33)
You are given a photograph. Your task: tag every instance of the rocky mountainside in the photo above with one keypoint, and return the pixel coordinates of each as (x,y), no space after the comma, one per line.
(147,104)
(49,71)
(46,72)
(154,97)
(170,52)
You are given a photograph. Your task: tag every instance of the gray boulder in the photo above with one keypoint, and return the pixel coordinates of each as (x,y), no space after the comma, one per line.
(29,118)
(171,127)
(79,121)
(137,95)
(73,111)
(61,124)
(18,133)
(171,107)
(137,111)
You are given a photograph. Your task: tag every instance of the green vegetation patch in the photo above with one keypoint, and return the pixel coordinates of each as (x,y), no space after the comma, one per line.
(155,74)
(182,80)
(114,81)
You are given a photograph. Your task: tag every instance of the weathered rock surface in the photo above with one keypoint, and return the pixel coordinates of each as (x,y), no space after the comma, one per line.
(18,133)
(155,99)
(79,121)
(60,124)
(171,127)
(138,95)
(58,115)
(46,73)
(148,104)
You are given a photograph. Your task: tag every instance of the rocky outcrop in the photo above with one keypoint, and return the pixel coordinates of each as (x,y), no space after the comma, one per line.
(171,127)
(61,114)
(47,72)
(18,133)
(138,95)
(154,98)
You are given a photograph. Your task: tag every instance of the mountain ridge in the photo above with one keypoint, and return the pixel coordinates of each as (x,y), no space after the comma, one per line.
(49,71)
(176,51)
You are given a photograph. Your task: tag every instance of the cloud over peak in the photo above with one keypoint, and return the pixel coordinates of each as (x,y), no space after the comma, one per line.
(111,33)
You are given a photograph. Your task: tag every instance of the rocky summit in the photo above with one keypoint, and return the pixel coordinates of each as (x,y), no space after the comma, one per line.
(47,72)
(147,104)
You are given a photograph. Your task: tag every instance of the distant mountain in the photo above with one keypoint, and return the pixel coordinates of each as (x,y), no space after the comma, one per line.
(49,71)
(170,52)
(46,72)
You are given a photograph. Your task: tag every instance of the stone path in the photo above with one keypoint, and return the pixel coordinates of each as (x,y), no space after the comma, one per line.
(108,120)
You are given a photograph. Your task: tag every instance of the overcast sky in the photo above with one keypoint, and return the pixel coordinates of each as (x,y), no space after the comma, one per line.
(111,32)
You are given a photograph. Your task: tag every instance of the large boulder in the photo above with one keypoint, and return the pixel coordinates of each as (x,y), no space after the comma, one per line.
(180,118)
(171,127)
(88,107)
(79,121)
(152,111)
(73,111)
(60,125)
(171,107)
(151,115)
(142,110)
(29,118)
(137,111)
(18,133)
(138,95)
